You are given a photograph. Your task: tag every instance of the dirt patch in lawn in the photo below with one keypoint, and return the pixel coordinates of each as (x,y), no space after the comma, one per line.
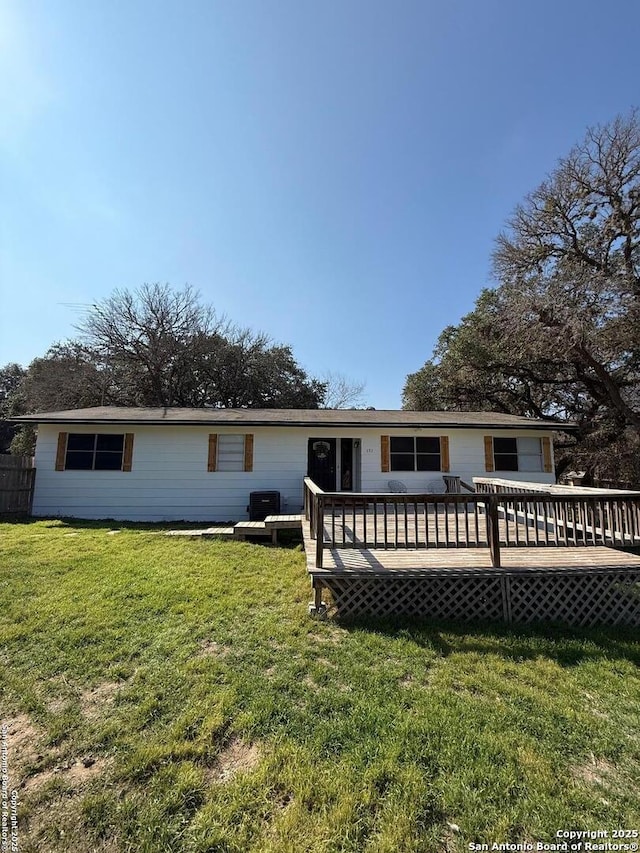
(73,773)
(95,698)
(598,771)
(49,819)
(92,700)
(237,757)
(334,636)
(51,824)
(23,739)
(209,648)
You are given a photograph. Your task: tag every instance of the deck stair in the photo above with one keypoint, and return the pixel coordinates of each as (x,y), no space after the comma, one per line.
(267,528)
(250,528)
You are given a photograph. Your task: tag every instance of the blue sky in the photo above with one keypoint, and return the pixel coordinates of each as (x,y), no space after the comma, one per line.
(331,172)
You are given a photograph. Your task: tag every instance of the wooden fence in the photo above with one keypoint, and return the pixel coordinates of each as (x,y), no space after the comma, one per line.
(17,477)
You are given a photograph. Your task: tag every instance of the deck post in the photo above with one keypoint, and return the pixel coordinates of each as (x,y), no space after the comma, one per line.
(505,588)
(312,515)
(493,530)
(318,607)
(319,525)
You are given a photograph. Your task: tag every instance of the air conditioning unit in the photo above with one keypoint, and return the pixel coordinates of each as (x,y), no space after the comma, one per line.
(262,504)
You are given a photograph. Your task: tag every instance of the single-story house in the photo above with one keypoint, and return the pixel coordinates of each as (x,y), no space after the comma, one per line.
(151,464)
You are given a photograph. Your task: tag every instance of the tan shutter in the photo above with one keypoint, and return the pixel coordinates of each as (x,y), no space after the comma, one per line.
(546,455)
(213,453)
(248,452)
(384,453)
(127,456)
(488,453)
(444,453)
(61,453)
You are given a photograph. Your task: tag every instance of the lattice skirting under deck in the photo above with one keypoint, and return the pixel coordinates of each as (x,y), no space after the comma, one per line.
(586,598)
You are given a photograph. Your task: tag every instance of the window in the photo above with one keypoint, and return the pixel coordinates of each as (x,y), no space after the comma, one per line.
(517,454)
(230,453)
(94,452)
(409,453)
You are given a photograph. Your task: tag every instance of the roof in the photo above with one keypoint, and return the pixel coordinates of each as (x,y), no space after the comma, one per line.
(288,418)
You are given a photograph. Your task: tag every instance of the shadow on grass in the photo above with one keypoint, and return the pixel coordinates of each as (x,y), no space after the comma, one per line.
(566,645)
(114,524)
(290,539)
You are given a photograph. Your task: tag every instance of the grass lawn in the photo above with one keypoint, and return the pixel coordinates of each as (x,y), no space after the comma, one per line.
(170,694)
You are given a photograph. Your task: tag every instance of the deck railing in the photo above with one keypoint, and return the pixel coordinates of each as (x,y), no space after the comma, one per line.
(495,486)
(533,518)
(498,485)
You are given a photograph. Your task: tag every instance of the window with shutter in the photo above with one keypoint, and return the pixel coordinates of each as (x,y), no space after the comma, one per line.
(414,453)
(85,451)
(230,452)
(514,454)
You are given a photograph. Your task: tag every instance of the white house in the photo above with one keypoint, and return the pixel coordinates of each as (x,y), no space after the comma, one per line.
(202,464)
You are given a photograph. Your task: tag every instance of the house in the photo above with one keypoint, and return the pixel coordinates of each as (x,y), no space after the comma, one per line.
(150,464)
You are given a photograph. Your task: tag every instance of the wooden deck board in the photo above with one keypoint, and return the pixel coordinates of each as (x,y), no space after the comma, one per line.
(371,561)
(250,528)
(240,529)
(215,530)
(283,522)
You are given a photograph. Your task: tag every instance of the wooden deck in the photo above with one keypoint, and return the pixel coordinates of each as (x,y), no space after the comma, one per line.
(579,586)
(426,561)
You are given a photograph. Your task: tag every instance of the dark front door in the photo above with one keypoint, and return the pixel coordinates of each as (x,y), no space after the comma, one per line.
(321,465)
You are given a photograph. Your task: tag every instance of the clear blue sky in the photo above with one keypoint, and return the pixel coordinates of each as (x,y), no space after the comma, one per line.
(331,172)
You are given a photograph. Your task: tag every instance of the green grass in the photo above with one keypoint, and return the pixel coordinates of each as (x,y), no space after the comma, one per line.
(160,657)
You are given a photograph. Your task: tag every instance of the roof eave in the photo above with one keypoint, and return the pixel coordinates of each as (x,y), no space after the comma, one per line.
(536,425)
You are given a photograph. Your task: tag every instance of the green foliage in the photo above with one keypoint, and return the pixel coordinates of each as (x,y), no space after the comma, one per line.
(23,442)
(162,657)
(12,401)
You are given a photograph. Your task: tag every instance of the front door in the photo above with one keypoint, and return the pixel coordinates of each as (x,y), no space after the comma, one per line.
(321,465)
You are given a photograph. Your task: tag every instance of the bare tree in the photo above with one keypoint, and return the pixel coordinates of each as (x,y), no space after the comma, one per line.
(155,331)
(559,336)
(342,392)
(160,347)
(569,263)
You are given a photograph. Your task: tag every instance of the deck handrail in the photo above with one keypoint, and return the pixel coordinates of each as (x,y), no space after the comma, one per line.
(316,490)
(499,485)
(482,519)
(314,514)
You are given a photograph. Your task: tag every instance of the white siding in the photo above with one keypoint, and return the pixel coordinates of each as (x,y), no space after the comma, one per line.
(169,478)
